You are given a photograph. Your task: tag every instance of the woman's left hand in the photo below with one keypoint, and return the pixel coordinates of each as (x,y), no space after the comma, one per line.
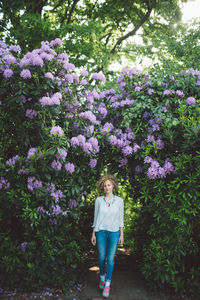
(121,240)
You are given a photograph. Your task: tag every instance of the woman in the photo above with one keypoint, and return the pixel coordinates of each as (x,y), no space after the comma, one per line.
(108,228)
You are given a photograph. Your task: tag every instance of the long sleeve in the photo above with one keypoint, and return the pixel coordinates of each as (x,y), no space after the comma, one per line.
(96,208)
(121,214)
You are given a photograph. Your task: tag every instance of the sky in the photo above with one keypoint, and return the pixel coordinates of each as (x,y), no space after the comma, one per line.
(190,10)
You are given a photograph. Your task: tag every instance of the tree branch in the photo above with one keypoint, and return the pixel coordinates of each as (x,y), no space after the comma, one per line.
(71,11)
(133,32)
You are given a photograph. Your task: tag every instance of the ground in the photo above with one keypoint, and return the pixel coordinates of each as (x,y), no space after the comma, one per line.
(127,284)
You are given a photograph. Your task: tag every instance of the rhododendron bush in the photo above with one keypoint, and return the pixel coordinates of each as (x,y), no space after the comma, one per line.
(60,129)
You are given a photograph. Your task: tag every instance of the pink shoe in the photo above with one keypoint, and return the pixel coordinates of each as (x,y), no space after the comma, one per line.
(101,284)
(106,291)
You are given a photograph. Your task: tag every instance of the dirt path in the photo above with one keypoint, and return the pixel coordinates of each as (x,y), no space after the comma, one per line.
(127,284)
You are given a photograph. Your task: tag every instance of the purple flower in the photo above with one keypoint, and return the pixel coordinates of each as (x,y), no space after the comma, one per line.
(155,127)
(87,148)
(152,172)
(148,160)
(138,169)
(56,98)
(33,183)
(32,152)
(127,150)
(72,203)
(68,66)
(15,48)
(81,139)
(84,73)
(159,144)
(57,195)
(180,93)
(107,128)
(88,115)
(69,167)
(190,101)
(23,246)
(4,183)
(56,42)
(123,162)
(63,56)
(56,165)
(168,92)
(83,82)
(112,140)
(137,88)
(164,109)
(150,91)
(122,84)
(56,210)
(7,73)
(36,60)
(31,113)
(75,78)
(25,73)
(69,78)
(161,172)
(150,138)
(12,161)
(49,75)
(45,101)
(155,164)
(147,115)
(61,154)
(136,147)
(103,111)
(94,142)
(90,129)
(9,59)
(56,130)
(74,142)
(92,163)
(99,76)
(40,209)
(168,167)
(23,171)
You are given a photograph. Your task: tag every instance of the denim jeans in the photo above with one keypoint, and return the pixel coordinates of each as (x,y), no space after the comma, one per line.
(107,242)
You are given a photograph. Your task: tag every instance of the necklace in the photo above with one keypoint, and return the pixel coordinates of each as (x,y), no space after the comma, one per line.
(109,202)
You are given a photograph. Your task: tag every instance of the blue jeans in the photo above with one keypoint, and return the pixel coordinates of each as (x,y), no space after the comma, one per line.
(107,242)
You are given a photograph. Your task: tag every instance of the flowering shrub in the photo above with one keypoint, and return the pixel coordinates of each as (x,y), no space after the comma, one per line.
(59,125)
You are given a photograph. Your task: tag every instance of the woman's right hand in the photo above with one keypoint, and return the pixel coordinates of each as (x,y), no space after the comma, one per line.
(93,239)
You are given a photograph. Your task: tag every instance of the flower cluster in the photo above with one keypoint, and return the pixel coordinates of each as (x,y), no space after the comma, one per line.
(53,100)
(4,184)
(33,183)
(31,113)
(89,146)
(99,76)
(12,161)
(51,189)
(56,130)
(156,171)
(24,246)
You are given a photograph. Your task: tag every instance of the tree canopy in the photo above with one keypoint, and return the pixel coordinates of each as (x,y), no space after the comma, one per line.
(94,32)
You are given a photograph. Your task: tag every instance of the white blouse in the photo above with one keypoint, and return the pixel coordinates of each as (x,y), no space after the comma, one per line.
(108,217)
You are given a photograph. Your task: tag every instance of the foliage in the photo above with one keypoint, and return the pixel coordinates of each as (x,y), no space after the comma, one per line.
(94,32)
(61,130)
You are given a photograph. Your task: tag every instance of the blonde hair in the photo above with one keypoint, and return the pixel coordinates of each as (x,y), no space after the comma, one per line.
(103,179)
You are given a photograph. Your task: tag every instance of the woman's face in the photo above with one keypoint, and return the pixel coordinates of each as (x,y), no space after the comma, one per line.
(108,187)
